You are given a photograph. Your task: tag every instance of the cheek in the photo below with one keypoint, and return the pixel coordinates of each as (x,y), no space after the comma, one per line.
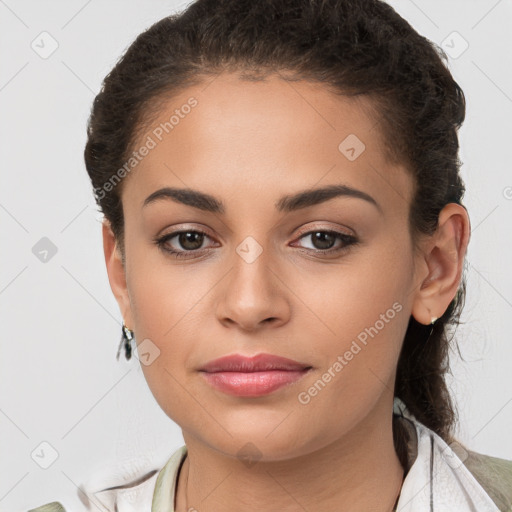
(368,287)
(167,311)
(366,312)
(163,294)
(360,360)
(164,316)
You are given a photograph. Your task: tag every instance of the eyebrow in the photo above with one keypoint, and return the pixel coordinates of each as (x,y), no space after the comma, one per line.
(288,203)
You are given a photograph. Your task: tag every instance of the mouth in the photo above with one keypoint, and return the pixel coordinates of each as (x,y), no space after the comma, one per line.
(239,375)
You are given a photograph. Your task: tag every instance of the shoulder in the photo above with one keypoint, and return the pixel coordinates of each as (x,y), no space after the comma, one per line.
(121,497)
(476,477)
(123,489)
(54,506)
(494,474)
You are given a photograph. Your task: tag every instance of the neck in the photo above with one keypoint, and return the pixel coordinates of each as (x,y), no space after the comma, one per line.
(358,472)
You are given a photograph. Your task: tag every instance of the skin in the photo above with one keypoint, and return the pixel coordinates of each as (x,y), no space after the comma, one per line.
(248,144)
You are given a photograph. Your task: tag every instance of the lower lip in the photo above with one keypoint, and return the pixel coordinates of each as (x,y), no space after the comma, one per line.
(252,383)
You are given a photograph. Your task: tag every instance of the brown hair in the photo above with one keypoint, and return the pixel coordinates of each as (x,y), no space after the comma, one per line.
(353,47)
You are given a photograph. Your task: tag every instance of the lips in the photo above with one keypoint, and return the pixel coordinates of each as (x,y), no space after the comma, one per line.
(253,376)
(258,363)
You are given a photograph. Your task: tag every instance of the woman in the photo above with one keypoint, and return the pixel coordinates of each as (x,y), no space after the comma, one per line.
(285,236)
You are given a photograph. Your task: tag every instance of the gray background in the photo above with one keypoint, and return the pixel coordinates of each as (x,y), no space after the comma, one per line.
(60,382)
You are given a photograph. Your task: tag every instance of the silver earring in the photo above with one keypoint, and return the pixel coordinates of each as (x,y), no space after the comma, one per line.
(432,322)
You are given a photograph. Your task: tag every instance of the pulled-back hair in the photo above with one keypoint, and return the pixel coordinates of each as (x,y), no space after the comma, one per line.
(352,47)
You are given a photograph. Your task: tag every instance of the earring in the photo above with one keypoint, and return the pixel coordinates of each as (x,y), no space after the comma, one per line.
(126,339)
(432,322)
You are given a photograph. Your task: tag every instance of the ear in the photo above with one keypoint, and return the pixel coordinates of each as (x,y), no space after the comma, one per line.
(441,265)
(116,273)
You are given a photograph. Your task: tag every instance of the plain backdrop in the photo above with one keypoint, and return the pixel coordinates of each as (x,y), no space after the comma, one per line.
(60,382)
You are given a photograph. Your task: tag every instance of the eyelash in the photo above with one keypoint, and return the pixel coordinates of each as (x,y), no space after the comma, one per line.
(348,241)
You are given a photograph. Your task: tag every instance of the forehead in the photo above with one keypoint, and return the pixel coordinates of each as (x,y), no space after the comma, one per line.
(228,135)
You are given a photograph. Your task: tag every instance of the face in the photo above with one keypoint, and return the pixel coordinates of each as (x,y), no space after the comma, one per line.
(327,280)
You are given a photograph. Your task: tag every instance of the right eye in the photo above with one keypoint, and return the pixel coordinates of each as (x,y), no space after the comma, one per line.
(189,240)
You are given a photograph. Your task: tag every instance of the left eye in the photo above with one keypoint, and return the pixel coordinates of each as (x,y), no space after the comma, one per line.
(323,240)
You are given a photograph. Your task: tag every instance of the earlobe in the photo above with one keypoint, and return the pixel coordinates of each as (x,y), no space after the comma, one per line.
(444,261)
(116,272)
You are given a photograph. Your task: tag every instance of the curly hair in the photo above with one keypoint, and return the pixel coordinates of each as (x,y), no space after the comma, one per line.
(352,47)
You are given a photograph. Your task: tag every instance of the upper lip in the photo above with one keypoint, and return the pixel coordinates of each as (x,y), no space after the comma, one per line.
(257,363)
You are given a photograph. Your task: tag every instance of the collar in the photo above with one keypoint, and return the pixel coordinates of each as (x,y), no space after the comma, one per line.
(438,480)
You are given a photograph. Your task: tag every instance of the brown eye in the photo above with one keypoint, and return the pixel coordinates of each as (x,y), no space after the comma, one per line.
(182,244)
(190,240)
(324,240)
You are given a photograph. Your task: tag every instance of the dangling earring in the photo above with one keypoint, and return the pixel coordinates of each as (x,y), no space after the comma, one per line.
(126,339)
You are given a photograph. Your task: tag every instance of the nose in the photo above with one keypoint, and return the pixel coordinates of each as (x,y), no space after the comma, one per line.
(253,295)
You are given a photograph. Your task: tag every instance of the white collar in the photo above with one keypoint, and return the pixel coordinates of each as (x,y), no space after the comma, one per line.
(438,480)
